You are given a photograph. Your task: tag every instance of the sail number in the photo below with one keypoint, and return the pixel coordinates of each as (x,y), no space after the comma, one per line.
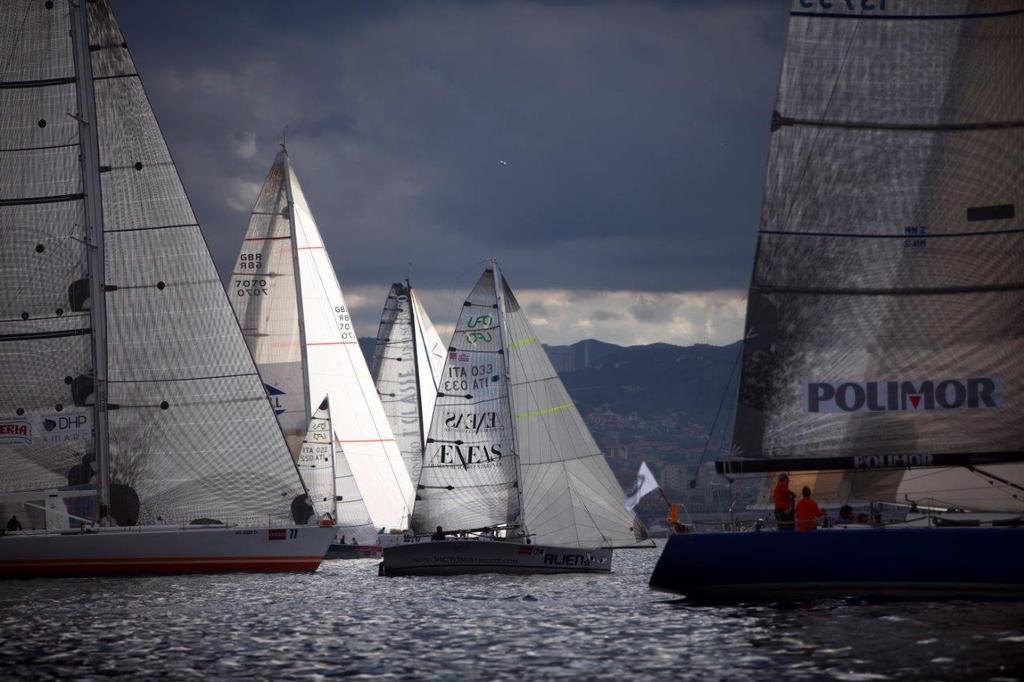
(250,261)
(344,321)
(863,5)
(251,287)
(474,377)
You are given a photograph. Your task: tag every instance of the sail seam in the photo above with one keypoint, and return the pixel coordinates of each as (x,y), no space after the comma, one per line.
(910,291)
(39,149)
(164,381)
(152,227)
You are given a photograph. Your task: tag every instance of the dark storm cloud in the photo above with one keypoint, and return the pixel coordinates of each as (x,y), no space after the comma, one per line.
(588,145)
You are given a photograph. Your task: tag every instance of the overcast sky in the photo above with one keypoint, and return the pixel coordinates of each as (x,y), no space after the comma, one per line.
(609,154)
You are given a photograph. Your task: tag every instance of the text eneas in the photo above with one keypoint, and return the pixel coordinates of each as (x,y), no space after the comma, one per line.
(463,453)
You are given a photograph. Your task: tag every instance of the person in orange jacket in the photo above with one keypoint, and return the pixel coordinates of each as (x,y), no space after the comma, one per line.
(783,501)
(807,512)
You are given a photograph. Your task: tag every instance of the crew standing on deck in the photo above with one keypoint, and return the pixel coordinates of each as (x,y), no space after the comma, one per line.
(784,502)
(807,512)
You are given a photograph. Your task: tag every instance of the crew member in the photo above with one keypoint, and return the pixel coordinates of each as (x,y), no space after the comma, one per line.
(783,499)
(846,515)
(438,534)
(807,512)
(13,524)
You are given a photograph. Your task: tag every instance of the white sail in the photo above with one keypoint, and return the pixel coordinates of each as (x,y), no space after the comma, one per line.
(469,474)
(189,433)
(570,496)
(407,362)
(305,322)
(316,462)
(507,445)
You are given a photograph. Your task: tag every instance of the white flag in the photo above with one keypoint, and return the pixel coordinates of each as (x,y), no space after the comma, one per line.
(644,484)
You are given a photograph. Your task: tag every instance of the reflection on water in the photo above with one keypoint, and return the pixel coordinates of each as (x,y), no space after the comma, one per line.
(344,620)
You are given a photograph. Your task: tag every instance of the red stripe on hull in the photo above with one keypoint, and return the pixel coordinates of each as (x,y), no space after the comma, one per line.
(40,569)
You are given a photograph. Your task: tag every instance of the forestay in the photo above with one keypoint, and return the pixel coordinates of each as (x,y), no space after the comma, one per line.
(190,431)
(325,345)
(407,362)
(884,310)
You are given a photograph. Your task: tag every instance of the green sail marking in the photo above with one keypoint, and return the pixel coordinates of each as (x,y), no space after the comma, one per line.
(541,413)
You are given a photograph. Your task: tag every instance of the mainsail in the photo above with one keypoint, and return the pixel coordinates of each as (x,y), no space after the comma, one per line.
(407,362)
(124,368)
(884,309)
(294,318)
(507,446)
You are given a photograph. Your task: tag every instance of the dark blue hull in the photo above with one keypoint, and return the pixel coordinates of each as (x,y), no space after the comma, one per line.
(909,562)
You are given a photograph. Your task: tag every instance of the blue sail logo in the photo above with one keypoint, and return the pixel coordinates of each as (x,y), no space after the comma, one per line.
(274,396)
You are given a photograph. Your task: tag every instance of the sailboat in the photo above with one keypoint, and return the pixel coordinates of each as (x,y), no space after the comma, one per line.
(509,460)
(408,359)
(293,315)
(134,432)
(884,335)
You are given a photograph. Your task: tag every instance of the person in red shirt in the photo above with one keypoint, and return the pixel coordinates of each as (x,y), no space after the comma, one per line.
(807,512)
(783,501)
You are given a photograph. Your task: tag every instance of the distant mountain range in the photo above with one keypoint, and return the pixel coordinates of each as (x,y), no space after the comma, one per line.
(650,381)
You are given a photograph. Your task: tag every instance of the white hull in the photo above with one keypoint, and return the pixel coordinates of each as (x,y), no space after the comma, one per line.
(159,549)
(455,557)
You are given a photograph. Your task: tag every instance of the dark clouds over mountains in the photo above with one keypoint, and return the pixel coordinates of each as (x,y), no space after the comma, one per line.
(591,146)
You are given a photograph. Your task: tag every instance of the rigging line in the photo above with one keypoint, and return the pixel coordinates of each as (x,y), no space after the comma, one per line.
(718,412)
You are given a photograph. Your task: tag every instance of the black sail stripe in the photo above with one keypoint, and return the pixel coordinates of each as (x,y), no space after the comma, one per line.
(906,291)
(38,336)
(28,201)
(928,235)
(42,83)
(909,17)
(969,126)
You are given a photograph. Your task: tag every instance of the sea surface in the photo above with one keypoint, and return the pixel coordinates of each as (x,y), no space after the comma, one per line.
(344,621)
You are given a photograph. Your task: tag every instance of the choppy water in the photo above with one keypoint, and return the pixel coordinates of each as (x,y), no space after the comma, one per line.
(345,621)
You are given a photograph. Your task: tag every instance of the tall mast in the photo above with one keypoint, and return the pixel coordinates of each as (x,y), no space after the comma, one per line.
(298,284)
(88,141)
(499,292)
(416,369)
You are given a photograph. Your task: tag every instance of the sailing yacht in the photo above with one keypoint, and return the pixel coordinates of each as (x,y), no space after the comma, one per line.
(293,316)
(134,432)
(884,335)
(509,460)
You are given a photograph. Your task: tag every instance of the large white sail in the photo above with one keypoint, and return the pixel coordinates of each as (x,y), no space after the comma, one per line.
(469,474)
(296,317)
(507,445)
(407,362)
(570,495)
(185,423)
(884,306)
